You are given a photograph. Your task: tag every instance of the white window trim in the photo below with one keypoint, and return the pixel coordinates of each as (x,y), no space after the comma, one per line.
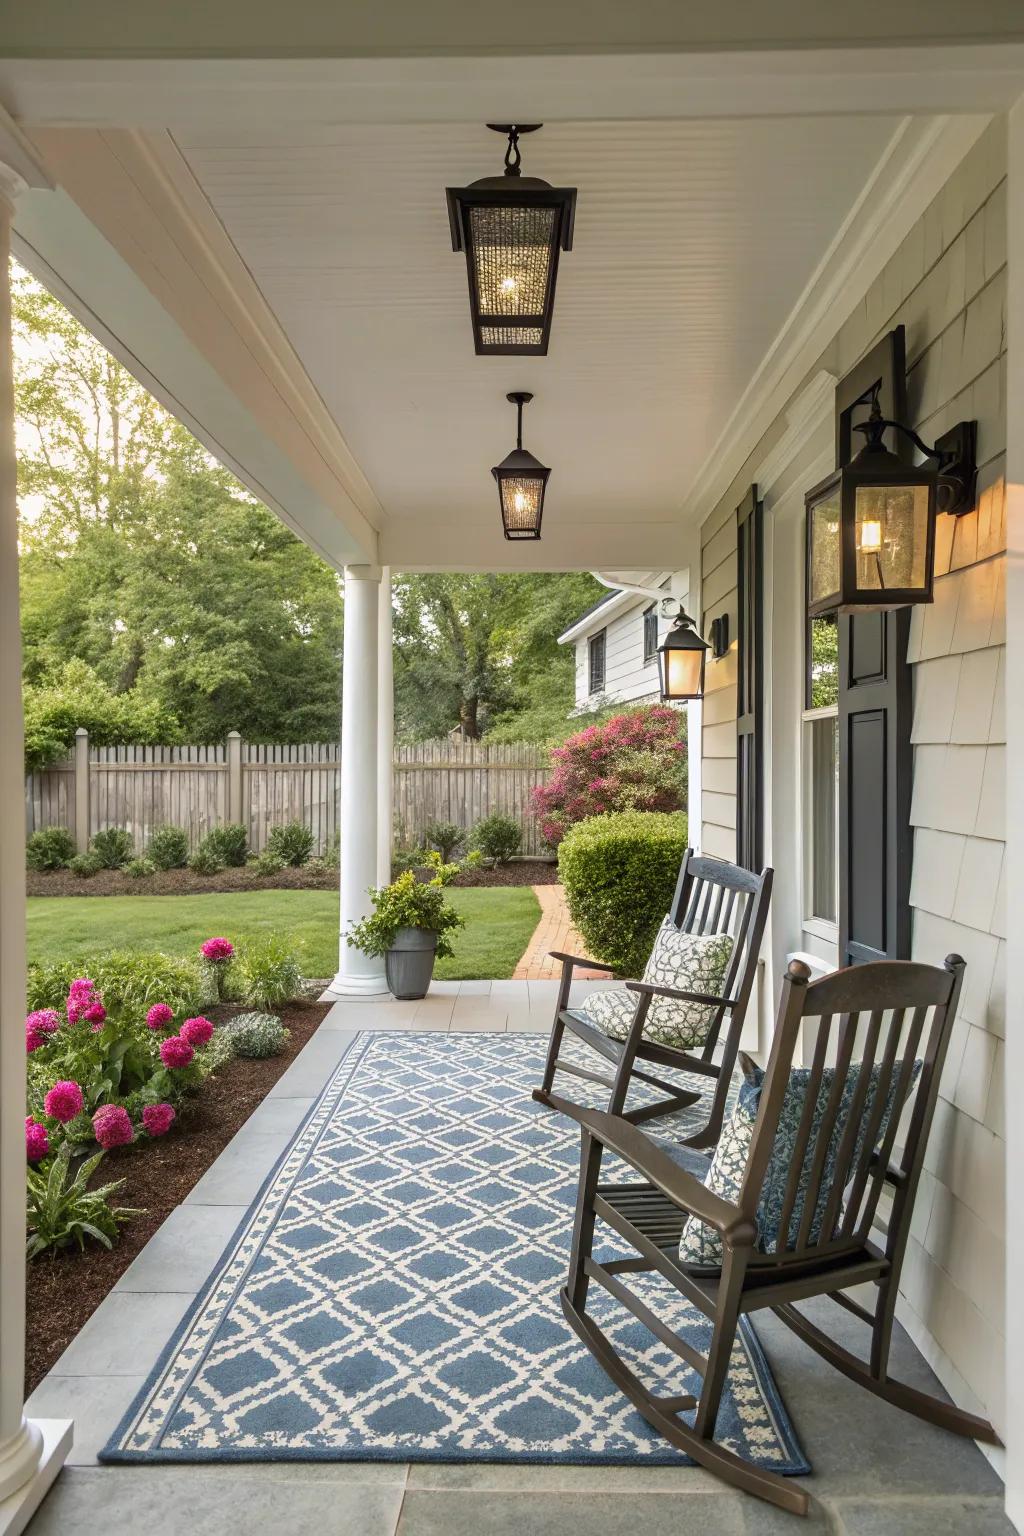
(821,927)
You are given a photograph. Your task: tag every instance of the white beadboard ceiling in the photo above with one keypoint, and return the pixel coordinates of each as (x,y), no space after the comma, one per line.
(694,241)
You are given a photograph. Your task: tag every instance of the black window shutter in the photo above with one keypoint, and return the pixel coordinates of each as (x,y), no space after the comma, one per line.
(750,683)
(875,781)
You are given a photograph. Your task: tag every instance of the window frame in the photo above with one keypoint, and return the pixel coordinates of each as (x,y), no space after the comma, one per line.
(602,636)
(650,634)
(823,927)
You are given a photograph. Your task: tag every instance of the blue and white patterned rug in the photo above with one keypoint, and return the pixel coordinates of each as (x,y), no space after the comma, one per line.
(393,1291)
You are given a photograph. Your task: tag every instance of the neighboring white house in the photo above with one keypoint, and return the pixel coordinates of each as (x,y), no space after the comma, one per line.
(616,642)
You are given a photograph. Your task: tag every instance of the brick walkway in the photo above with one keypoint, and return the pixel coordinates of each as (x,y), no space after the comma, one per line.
(554,931)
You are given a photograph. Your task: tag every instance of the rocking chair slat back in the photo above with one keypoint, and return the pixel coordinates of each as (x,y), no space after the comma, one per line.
(713,897)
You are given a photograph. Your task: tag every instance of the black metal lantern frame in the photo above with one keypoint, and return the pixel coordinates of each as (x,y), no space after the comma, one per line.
(851,541)
(511,228)
(682,656)
(522,481)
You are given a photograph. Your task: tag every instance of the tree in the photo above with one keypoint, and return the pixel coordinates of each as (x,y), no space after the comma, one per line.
(149,563)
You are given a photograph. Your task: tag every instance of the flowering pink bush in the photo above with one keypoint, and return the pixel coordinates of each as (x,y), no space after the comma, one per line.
(197,1032)
(82,997)
(63,1102)
(175,1052)
(45,1020)
(635,761)
(37,1140)
(112,1126)
(34,1038)
(159,1016)
(157,1119)
(217,951)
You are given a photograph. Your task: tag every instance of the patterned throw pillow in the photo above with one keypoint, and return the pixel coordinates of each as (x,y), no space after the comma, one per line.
(700,1244)
(694,963)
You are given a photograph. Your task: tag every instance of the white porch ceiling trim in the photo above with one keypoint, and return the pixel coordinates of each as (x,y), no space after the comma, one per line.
(921,157)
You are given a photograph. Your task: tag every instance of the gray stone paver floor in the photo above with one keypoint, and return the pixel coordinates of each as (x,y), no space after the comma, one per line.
(877,1472)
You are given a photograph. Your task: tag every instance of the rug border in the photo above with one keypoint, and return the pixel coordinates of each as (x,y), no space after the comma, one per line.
(113,1455)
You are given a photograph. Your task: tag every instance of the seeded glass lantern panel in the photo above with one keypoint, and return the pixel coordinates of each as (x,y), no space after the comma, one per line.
(681,658)
(824,557)
(522,501)
(871,537)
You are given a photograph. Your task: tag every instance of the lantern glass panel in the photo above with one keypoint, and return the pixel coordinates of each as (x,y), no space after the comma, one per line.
(891,537)
(512,252)
(681,673)
(825,557)
(521,497)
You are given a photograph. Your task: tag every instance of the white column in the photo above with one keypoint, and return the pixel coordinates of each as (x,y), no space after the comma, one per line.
(1014,1047)
(385,730)
(30,1453)
(359,975)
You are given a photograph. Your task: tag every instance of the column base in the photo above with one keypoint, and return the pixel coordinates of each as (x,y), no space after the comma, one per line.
(17,1509)
(358,986)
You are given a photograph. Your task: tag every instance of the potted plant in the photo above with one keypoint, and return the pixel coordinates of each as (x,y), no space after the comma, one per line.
(409,926)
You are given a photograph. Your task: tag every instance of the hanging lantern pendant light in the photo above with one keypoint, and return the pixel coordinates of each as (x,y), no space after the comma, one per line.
(511,228)
(522,481)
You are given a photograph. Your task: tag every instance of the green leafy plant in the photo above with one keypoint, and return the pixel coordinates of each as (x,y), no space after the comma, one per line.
(113,846)
(49,848)
(266,974)
(408,858)
(497,837)
(266,863)
(129,979)
(254,1036)
(85,865)
(406,903)
(332,853)
(230,843)
(619,874)
(140,869)
(292,842)
(205,860)
(168,847)
(62,1210)
(445,836)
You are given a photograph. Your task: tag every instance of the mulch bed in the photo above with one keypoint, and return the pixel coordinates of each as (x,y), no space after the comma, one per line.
(182,882)
(63,1292)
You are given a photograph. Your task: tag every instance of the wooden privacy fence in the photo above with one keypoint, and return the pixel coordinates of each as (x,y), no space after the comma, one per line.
(199,788)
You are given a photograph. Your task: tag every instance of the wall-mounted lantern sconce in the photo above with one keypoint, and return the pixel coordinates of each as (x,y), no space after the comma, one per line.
(720,636)
(871,524)
(522,481)
(681,657)
(512,228)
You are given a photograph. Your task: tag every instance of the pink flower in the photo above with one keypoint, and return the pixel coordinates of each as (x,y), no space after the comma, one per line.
(34,1038)
(95,1015)
(197,1032)
(64,1101)
(46,1020)
(82,995)
(158,1119)
(112,1126)
(217,950)
(175,1052)
(37,1140)
(159,1016)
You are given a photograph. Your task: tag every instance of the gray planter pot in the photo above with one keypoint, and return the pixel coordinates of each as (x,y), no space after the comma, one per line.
(409,963)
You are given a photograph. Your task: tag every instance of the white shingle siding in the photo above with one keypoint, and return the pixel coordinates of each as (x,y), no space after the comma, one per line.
(947,285)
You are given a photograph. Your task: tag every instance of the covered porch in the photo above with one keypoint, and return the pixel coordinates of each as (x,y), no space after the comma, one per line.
(263,241)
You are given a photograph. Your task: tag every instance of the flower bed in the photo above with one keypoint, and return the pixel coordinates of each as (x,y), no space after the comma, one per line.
(185,882)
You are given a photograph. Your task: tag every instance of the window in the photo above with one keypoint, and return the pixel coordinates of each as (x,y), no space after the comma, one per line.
(650,634)
(821,771)
(596,656)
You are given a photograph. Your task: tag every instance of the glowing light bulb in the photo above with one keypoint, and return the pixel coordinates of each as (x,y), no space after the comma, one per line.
(870,536)
(509,284)
(519,502)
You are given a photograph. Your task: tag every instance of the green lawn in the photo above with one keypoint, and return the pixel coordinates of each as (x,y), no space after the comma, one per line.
(499,921)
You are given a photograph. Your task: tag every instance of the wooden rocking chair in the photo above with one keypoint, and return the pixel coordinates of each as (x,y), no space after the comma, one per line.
(873,1053)
(711,897)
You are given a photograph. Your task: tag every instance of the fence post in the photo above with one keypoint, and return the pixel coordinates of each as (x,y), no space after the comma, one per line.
(82,789)
(234,777)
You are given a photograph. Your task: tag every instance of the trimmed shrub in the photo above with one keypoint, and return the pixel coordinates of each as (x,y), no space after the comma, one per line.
(168,847)
(206,860)
(293,842)
(619,874)
(113,847)
(49,848)
(140,869)
(85,865)
(635,761)
(266,863)
(265,974)
(230,843)
(254,1036)
(445,836)
(497,837)
(132,979)
(332,853)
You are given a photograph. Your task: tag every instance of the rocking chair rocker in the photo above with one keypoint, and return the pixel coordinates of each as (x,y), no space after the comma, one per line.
(712,898)
(789,1204)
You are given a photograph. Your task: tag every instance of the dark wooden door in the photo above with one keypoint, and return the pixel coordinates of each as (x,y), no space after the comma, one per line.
(750,683)
(875,779)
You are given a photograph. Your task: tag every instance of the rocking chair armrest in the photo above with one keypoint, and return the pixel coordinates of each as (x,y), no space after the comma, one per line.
(678,992)
(682,1188)
(575,960)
